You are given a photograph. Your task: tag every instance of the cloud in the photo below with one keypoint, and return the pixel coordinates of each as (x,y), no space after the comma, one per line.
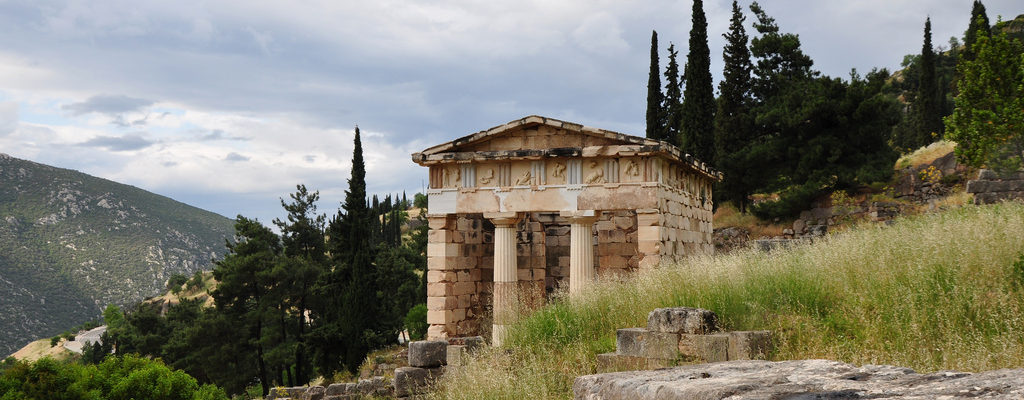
(8,117)
(600,33)
(235,157)
(108,104)
(118,143)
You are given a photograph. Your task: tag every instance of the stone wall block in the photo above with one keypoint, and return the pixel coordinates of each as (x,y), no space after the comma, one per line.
(750,345)
(314,393)
(413,380)
(442,303)
(639,342)
(428,353)
(705,348)
(440,289)
(686,320)
(340,389)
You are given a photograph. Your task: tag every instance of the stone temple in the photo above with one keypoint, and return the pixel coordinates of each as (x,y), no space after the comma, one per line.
(521,209)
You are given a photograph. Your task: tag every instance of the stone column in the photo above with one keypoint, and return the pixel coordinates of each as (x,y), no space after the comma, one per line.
(581,248)
(505,272)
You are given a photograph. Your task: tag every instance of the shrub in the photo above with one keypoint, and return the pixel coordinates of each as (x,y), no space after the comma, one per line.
(416,322)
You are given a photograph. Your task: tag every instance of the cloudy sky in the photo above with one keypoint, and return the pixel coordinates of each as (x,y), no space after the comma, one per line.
(227,105)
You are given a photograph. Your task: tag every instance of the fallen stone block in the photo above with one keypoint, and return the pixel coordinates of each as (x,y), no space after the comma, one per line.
(750,345)
(376,386)
(285,393)
(609,362)
(687,320)
(640,342)
(704,348)
(412,380)
(428,353)
(458,355)
(798,379)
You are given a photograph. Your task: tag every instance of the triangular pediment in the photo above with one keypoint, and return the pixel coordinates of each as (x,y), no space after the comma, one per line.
(537,133)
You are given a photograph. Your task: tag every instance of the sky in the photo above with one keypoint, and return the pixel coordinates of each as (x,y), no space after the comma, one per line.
(228,105)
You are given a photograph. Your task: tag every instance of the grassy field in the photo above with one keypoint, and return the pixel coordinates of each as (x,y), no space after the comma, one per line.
(931,292)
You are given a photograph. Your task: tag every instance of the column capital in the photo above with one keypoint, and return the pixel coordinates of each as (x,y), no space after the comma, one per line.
(581,216)
(502,218)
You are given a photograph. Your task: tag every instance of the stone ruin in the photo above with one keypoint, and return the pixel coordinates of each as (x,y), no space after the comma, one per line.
(682,335)
(991,187)
(521,209)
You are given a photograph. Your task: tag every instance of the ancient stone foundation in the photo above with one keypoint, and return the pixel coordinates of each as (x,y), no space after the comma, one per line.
(990,187)
(682,335)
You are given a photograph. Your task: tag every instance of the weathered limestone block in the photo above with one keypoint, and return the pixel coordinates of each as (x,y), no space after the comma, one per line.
(619,362)
(413,380)
(704,348)
(750,345)
(682,320)
(639,342)
(340,389)
(428,353)
(314,393)
(799,379)
(376,386)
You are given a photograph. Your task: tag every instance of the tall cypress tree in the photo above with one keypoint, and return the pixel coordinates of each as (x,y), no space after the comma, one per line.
(929,106)
(733,122)
(979,21)
(655,115)
(359,305)
(698,108)
(672,104)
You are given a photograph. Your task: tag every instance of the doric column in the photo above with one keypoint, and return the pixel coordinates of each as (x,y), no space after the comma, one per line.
(505,272)
(581,248)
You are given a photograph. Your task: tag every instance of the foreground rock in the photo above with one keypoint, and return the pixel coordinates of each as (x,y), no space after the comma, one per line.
(802,379)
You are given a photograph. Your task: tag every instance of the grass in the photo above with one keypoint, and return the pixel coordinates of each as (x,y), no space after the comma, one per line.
(728,216)
(931,292)
(925,155)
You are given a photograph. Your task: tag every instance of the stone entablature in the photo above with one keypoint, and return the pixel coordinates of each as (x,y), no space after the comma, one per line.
(501,202)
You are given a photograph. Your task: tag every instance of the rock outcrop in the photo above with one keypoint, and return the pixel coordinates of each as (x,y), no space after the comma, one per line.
(801,379)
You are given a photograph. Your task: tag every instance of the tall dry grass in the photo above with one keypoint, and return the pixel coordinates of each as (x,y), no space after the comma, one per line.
(930,292)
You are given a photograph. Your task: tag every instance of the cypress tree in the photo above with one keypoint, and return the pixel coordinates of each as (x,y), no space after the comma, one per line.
(733,123)
(672,104)
(698,108)
(655,115)
(359,307)
(929,107)
(979,21)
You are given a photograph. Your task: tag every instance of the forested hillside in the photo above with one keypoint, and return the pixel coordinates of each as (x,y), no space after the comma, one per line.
(71,243)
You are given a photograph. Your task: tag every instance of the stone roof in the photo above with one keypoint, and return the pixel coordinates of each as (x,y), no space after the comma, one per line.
(629,145)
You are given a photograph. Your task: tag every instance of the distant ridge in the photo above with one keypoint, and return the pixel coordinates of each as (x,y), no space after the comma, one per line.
(71,243)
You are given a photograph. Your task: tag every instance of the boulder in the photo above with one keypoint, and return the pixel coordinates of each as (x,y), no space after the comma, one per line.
(799,379)
(428,353)
(687,320)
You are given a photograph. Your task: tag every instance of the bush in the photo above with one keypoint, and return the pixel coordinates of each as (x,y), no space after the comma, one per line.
(175,281)
(416,322)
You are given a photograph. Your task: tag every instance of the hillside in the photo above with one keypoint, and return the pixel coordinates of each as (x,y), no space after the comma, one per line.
(71,243)
(931,292)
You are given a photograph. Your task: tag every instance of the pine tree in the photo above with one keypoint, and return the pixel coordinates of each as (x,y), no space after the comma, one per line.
(655,114)
(698,109)
(672,104)
(733,122)
(928,101)
(979,23)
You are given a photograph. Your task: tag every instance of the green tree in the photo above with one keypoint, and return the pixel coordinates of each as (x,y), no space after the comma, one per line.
(305,261)
(979,23)
(988,118)
(416,322)
(929,96)
(246,277)
(655,114)
(734,128)
(696,129)
(672,103)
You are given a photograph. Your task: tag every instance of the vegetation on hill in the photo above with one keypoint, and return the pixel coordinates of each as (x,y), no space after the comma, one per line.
(930,292)
(71,243)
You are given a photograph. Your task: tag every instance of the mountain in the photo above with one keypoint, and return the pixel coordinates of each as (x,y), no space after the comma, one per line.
(70,244)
